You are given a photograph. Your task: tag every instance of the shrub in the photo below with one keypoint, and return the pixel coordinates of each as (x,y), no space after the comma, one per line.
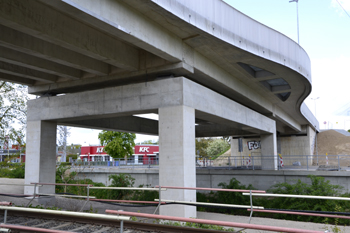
(217,147)
(144,195)
(226,198)
(318,187)
(120,180)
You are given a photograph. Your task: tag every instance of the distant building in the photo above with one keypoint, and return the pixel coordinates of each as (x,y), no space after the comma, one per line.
(143,154)
(4,153)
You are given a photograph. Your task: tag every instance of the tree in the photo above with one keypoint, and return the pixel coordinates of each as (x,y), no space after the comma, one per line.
(13,112)
(148,142)
(217,147)
(117,144)
(63,134)
(202,145)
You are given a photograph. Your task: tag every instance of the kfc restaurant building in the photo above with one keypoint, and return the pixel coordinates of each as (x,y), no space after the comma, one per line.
(146,154)
(94,153)
(143,154)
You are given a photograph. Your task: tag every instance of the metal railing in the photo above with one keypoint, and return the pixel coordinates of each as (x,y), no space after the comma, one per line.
(254,162)
(118,163)
(284,162)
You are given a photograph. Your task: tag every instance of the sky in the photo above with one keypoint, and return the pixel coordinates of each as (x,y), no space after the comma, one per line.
(324,33)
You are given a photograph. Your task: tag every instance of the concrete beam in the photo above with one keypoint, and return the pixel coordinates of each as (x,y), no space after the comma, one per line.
(124,22)
(16,79)
(55,27)
(40,64)
(218,131)
(127,124)
(145,75)
(28,44)
(26,73)
(145,97)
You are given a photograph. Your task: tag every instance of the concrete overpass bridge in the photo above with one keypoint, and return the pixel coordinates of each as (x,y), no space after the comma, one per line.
(206,69)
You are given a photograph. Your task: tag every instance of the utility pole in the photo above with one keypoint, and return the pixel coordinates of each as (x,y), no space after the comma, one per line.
(297,18)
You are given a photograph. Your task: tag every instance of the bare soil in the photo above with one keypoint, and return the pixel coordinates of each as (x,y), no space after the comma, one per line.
(333,143)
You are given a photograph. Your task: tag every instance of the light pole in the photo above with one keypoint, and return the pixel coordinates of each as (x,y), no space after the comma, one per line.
(297,17)
(314,99)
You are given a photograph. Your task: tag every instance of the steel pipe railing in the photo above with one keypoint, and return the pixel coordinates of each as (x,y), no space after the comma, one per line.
(210,204)
(302,213)
(298,196)
(214,189)
(65,213)
(214,222)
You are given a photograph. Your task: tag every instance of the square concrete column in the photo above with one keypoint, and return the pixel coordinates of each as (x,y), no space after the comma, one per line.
(269,151)
(40,155)
(177,158)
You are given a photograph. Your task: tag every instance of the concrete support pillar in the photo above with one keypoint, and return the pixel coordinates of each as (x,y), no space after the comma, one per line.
(269,149)
(177,158)
(40,155)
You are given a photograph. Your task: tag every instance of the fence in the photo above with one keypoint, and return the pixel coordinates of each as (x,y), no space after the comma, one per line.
(250,208)
(150,162)
(254,162)
(285,162)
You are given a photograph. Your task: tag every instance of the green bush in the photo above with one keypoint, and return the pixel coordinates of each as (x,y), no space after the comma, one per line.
(12,170)
(217,147)
(120,180)
(18,171)
(226,198)
(318,187)
(144,195)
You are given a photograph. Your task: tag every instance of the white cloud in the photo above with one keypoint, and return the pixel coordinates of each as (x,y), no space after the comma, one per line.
(331,82)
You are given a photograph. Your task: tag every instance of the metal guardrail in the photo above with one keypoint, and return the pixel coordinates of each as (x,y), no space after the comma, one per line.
(282,162)
(118,163)
(160,201)
(254,162)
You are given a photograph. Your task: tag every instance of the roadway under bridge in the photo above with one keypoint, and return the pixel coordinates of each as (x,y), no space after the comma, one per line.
(206,70)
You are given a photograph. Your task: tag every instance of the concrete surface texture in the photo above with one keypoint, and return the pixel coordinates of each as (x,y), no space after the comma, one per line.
(112,60)
(179,102)
(177,147)
(40,163)
(62,47)
(210,178)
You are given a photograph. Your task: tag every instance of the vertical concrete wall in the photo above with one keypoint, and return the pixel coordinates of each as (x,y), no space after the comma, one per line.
(177,158)
(41,155)
(269,149)
(266,146)
(293,146)
(211,178)
(251,146)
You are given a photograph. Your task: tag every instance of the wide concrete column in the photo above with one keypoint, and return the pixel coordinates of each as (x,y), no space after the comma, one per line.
(177,158)
(269,150)
(40,155)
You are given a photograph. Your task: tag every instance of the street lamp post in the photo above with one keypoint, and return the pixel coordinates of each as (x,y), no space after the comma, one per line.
(314,99)
(297,17)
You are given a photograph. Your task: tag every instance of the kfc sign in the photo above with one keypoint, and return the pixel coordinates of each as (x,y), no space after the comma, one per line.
(99,150)
(144,149)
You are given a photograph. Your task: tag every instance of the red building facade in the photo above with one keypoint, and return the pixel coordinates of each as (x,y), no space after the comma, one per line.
(143,154)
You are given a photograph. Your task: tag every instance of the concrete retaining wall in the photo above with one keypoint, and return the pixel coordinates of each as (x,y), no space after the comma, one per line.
(260,179)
